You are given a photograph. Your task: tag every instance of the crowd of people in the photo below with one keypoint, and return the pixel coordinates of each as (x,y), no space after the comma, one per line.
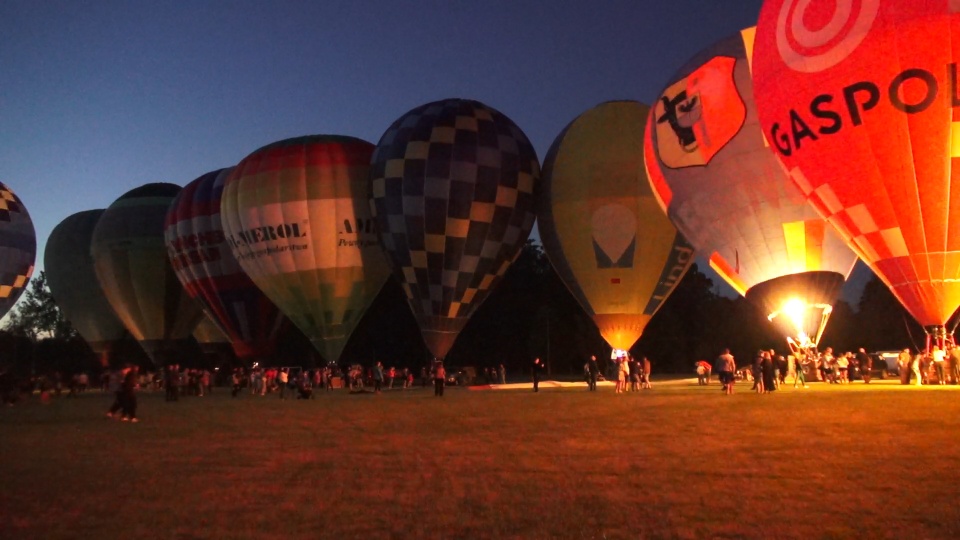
(768,371)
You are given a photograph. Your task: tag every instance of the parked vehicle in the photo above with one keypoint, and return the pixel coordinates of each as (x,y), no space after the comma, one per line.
(885,364)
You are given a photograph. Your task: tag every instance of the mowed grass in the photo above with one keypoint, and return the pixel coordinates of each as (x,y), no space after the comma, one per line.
(678,461)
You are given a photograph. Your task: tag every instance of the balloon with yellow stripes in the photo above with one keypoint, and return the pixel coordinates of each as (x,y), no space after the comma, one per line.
(714,174)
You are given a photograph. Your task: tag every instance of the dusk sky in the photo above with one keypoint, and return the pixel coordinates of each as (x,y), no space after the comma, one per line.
(99,97)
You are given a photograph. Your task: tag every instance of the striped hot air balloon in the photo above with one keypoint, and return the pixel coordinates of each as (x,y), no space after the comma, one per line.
(203,260)
(297,218)
(720,184)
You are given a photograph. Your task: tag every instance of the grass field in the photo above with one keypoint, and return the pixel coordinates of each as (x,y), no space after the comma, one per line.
(678,461)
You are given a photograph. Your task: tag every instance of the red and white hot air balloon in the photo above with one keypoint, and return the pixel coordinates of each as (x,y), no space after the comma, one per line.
(859,100)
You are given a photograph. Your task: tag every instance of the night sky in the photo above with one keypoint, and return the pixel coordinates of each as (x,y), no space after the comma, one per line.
(99,97)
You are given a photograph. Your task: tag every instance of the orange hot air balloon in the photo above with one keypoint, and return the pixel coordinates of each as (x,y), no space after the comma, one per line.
(601,224)
(727,194)
(859,100)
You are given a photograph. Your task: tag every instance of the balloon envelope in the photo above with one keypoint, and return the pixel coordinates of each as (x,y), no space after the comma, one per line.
(452,184)
(132,267)
(297,218)
(859,102)
(726,192)
(210,337)
(18,248)
(73,282)
(202,259)
(601,225)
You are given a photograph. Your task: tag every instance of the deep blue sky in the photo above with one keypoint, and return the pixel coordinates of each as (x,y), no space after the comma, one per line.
(98,97)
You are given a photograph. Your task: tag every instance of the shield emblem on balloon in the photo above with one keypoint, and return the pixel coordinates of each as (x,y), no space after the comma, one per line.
(699,114)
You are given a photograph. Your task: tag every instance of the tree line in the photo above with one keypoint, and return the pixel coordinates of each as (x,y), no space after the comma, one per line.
(531,314)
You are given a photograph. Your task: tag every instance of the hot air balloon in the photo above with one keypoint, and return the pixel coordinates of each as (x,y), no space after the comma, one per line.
(601,225)
(296,216)
(18,248)
(453,191)
(859,101)
(132,267)
(75,287)
(722,187)
(202,259)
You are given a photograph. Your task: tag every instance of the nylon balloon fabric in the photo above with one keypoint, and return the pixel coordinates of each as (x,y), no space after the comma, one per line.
(297,217)
(601,225)
(18,248)
(453,193)
(718,181)
(210,336)
(859,101)
(73,282)
(131,263)
(204,263)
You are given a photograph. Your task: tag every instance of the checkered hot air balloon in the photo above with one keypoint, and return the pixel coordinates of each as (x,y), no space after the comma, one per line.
(601,225)
(720,184)
(297,217)
(73,282)
(859,100)
(131,263)
(203,260)
(18,248)
(453,192)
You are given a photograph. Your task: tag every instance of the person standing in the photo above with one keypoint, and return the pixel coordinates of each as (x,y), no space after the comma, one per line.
(953,353)
(377,377)
(171,376)
(701,373)
(283,377)
(866,364)
(757,371)
(502,372)
(235,382)
(768,373)
(799,376)
(903,362)
(635,369)
(127,396)
(915,368)
(117,379)
(623,373)
(939,355)
(593,371)
(537,371)
(726,366)
(439,378)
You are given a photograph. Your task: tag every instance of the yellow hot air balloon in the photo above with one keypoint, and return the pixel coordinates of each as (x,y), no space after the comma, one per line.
(601,225)
(297,217)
